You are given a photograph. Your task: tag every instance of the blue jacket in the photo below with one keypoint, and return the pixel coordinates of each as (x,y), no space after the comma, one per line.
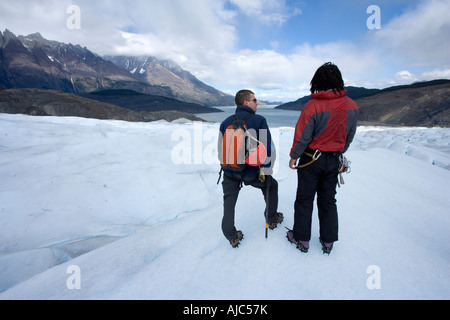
(257,123)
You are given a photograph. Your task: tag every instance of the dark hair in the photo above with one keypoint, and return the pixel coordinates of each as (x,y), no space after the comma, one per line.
(327,77)
(242,96)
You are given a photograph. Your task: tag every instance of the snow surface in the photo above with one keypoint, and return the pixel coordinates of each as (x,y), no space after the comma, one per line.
(118,201)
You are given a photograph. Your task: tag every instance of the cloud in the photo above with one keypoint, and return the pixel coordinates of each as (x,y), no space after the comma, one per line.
(405,77)
(436,74)
(267,11)
(419,37)
(204,36)
(264,71)
(204,41)
(25,17)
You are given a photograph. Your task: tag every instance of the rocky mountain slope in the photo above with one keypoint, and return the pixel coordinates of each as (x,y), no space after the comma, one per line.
(410,106)
(39,102)
(34,62)
(418,104)
(166,73)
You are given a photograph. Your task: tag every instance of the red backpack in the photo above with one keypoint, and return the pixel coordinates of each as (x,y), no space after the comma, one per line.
(238,148)
(234,145)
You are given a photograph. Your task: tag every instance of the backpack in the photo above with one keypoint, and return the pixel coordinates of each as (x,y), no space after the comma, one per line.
(239,149)
(234,145)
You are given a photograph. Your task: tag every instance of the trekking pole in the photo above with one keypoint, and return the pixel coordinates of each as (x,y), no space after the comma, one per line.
(267,205)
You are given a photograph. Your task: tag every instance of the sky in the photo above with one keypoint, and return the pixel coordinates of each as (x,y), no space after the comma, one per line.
(272,47)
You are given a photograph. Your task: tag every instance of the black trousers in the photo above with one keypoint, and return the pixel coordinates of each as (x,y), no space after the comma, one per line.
(319,178)
(231,187)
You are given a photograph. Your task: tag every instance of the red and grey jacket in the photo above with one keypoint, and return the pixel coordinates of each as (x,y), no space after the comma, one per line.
(327,123)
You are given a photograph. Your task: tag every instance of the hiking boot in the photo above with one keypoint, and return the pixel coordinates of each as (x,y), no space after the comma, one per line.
(303,246)
(327,247)
(275,224)
(237,240)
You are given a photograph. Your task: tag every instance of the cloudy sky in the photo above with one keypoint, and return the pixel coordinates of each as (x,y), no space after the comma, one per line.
(270,46)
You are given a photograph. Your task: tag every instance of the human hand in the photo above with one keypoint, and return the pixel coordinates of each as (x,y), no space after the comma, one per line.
(293,164)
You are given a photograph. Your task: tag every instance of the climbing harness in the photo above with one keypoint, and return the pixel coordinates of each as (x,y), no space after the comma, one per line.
(314,157)
(344,164)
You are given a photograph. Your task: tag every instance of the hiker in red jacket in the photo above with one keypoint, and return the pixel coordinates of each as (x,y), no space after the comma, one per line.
(325,130)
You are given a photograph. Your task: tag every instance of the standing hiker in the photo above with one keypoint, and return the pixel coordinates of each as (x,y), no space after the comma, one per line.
(255,174)
(325,130)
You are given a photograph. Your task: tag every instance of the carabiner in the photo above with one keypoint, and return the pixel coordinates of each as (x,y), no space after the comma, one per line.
(317,155)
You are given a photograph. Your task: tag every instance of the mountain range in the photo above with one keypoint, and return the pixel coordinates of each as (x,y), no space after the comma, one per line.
(146,84)
(39,102)
(167,74)
(419,104)
(425,104)
(34,62)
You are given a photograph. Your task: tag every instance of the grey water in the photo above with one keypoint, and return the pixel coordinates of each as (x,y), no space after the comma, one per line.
(275,117)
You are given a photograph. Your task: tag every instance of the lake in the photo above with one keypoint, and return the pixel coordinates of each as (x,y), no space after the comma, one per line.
(275,117)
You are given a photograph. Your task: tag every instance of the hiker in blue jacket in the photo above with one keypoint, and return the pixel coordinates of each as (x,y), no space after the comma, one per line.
(257,177)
